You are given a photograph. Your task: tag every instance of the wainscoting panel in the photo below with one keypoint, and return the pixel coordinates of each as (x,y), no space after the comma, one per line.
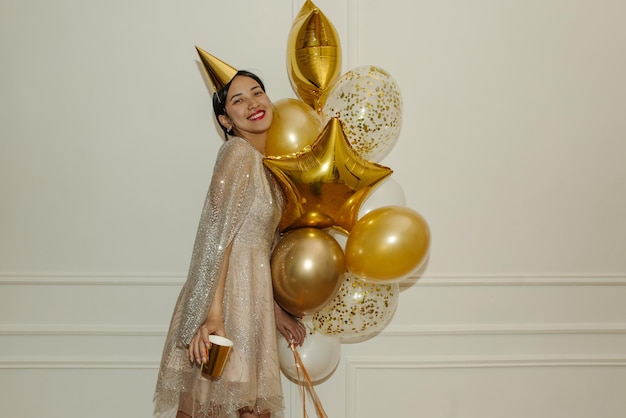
(456,347)
(90,389)
(485,387)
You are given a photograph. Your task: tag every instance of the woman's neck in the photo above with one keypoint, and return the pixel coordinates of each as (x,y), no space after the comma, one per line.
(258,142)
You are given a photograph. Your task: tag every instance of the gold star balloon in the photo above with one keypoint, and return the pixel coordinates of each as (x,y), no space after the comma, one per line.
(326,182)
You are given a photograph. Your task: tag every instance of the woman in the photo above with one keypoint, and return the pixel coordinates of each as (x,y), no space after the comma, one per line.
(229,289)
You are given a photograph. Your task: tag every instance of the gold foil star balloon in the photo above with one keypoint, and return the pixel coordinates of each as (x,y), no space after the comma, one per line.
(218,71)
(326,182)
(313,54)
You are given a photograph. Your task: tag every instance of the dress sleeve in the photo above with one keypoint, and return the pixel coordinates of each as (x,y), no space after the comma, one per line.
(228,201)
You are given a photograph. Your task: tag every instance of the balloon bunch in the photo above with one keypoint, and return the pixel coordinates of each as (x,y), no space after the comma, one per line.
(348,238)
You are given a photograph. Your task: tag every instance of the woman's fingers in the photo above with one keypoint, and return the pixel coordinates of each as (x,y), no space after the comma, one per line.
(192,350)
(199,346)
(289,326)
(195,350)
(299,333)
(294,331)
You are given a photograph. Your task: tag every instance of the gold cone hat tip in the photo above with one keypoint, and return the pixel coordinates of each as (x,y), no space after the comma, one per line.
(219,72)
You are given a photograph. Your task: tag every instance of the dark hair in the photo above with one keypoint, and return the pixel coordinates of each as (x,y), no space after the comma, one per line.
(219,97)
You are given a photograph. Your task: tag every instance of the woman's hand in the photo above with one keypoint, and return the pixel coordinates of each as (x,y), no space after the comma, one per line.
(292,329)
(214,322)
(199,345)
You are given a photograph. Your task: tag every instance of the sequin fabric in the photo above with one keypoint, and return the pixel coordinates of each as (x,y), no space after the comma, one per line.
(243,207)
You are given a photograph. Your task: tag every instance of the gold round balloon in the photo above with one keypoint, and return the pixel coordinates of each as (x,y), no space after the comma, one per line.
(307,270)
(313,54)
(387,244)
(295,125)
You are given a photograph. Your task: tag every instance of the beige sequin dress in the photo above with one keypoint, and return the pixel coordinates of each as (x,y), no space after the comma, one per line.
(243,206)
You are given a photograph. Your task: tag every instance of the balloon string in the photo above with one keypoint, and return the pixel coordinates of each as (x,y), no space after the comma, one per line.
(305,383)
(301,387)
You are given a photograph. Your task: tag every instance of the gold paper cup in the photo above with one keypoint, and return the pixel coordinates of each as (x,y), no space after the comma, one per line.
(218,354)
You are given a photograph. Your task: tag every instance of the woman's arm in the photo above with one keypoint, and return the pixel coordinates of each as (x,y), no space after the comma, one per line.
(214,322)
(292,329)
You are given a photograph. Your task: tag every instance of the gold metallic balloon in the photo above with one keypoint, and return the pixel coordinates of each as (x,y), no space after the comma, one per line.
(313,54)
(325,181)
(387,244)
(314,219)
(307,270)
(367,100)
(295,125)
(360,309)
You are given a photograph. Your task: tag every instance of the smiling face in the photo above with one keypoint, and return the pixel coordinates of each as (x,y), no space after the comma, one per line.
(248,110)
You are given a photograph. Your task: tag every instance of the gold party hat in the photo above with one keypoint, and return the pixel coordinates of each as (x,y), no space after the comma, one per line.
(218,71)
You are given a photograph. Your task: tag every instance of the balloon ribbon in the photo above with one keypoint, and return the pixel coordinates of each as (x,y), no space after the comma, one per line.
(306,385)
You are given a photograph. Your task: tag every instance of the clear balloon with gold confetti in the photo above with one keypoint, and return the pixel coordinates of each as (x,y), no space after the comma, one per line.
(359,311)
(368,103)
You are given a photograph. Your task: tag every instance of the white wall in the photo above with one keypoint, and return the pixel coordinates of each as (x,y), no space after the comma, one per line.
(512,147)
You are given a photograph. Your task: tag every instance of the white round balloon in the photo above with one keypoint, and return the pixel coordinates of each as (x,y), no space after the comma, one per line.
(387,193)
(320,355)
(340,236)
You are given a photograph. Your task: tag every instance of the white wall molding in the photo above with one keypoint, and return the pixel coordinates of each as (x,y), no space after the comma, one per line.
(116,330)
(91,279)
(356,364)
(516,280)
(85,330)
(79,363)
(504,329)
